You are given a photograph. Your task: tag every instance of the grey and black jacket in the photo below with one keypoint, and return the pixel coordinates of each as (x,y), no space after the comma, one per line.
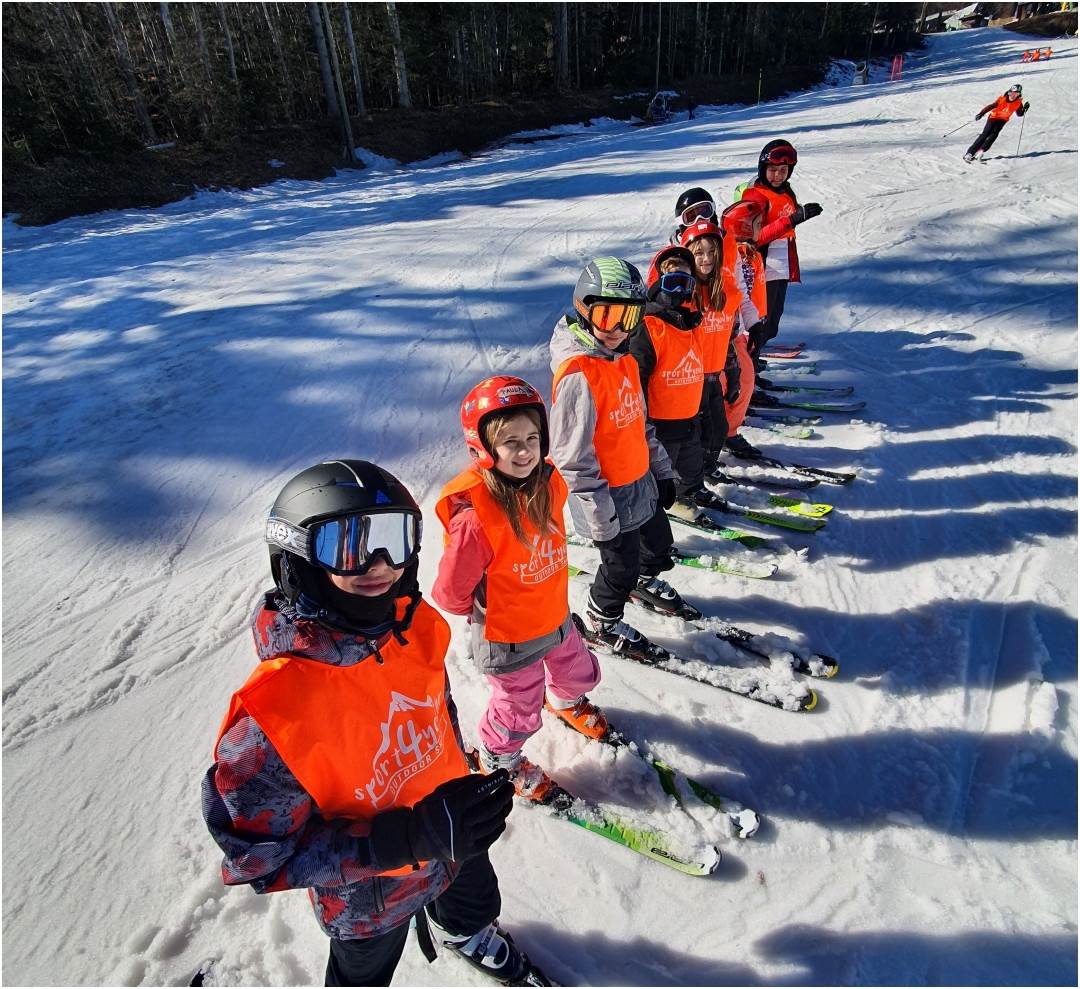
(599,510)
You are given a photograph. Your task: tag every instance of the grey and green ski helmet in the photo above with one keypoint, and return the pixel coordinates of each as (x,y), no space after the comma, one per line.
(610,279)
(1019,90)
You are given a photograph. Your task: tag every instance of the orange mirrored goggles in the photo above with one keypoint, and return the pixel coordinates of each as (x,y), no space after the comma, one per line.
(609,317)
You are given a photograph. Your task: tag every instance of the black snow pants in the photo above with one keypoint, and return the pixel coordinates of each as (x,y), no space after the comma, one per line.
(643,552)
(681,440)
(466,906)
(775,295)
(714,424)
(987,137)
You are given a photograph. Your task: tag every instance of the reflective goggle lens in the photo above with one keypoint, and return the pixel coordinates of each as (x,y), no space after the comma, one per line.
(610,316)
(782,156)
(699,211)
(677,283)
(348,544)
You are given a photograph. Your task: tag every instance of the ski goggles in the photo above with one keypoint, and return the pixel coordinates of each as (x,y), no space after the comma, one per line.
(782,156)
(697,211)
(677,283)
(347,545)
(612,317)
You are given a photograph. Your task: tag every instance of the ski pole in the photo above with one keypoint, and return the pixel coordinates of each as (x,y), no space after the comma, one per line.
(1021,137)
(955,129)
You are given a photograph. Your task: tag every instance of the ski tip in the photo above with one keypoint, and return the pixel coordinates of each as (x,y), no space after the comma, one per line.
(809,702)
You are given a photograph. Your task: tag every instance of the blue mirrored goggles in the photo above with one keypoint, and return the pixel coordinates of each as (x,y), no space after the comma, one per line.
(347,545)
(677,283)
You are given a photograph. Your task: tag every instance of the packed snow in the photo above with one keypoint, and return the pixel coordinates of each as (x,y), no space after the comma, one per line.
(167,370)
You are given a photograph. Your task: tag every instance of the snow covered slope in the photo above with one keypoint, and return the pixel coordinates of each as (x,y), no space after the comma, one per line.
(166,370)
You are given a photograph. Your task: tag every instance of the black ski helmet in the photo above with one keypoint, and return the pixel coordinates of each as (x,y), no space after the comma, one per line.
(691,198)
(328,490)
(779,146)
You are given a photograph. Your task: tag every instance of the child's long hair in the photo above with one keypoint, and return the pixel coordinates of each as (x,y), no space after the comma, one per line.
(711,293)
(533,498)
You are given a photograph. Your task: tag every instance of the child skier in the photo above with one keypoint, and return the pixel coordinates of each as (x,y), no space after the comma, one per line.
(667,347)
(741,223)
(620,479)
(339,764)
(782,215)
(1000,111)
(718,302)
(505,565)
(693,205)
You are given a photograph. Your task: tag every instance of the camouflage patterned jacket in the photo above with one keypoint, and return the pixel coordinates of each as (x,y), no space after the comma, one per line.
(271,831)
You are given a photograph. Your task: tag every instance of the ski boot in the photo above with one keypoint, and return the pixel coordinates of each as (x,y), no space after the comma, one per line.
(583,716)
(530,781)
(658,595)
(740,448)
(494,953)
(704,498)
(618,637)
(968,157)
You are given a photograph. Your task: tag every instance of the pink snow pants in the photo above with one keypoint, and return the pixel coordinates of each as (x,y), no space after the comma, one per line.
(513,712)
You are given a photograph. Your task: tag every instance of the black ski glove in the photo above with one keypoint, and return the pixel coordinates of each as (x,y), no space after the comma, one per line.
(978,116)
(667,492)
(733,389)
(1027,106)
(458,819)
(805,212)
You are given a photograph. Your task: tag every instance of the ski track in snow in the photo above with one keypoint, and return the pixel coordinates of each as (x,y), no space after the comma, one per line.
(166,370)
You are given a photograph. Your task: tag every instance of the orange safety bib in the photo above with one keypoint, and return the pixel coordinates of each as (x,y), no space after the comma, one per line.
(676,381)
(526,585)
(779,205)
(619,438)
(366,738)
(1003,109)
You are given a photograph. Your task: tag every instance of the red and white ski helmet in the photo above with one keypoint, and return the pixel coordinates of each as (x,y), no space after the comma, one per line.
(738,219)
(498,394)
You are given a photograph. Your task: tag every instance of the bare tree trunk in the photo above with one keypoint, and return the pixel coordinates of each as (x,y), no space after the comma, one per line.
(166,20)
(354,58)
(339,86)
(275,39)
(228,45)
(459,67)
(329,92)
(659,32)
(700,23)
(561,48)
(824,21)
(123,56)
(922,18)
(404,100)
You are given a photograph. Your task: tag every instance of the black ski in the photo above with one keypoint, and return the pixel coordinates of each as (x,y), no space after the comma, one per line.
(785,483)
(828,476)
(789,418)
(801,698)
(840,392)
(764,400)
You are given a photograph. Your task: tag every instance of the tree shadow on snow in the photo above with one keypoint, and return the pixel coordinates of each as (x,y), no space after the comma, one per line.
(597,958)
(999,787)
(897,958)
